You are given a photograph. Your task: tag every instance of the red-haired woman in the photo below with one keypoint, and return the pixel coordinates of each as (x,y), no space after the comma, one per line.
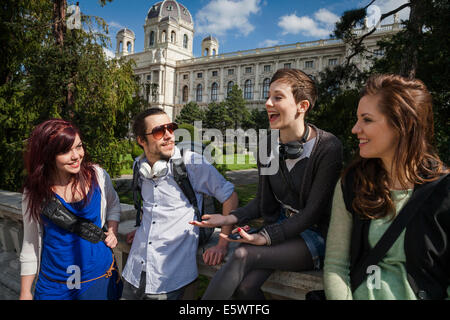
(68,266)
(396,164)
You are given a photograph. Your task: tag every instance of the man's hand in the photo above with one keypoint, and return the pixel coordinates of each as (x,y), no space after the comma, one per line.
(130,237)
(215,255)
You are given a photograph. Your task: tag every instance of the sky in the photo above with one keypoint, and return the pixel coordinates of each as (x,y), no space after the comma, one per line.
(239,24)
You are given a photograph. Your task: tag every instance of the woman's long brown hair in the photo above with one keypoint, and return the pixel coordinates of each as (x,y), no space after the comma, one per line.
(407,104)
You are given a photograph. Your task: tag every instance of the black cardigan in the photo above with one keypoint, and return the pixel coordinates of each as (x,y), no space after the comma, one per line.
(427,249)
(316,193)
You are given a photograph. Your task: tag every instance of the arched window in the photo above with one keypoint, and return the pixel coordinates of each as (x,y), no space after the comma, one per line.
(185,41)
(214,52)
(266,86)
(229,87)
(214,90)
(248,90)
(129,47)
(199,93)
(152,38)
(173,37)
(163,36)
(185,93)
(206,52)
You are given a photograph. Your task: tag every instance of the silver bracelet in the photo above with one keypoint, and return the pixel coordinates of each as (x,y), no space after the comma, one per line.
(264,233)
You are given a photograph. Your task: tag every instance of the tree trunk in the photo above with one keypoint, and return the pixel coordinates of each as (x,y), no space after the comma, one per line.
(409,62)
(59,21)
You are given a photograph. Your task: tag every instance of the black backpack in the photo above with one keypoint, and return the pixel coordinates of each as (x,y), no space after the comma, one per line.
(182,179)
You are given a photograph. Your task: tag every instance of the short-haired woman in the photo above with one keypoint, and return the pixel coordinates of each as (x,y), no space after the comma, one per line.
(294,201)
(68,266)
(396,159)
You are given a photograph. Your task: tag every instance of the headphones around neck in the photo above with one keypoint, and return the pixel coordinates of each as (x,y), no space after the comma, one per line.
(159,169)
(293,149)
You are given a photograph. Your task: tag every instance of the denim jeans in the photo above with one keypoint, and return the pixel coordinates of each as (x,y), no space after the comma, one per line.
(314,241)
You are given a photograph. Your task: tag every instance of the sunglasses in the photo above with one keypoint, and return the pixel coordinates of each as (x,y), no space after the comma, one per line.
(159,131)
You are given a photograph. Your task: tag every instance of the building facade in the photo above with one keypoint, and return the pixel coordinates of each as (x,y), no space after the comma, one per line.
(170,75)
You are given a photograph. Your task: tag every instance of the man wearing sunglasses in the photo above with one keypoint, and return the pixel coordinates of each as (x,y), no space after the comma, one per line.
(162,259)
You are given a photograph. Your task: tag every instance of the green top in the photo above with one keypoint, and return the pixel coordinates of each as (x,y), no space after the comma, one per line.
(388,280)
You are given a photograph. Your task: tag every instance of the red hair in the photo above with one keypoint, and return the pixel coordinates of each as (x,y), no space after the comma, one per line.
(49,139)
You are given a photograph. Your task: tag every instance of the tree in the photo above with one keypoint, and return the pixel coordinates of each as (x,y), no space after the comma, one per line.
(191,112)
(420,49)
(414,26)
(217,117)
(259,119)
(236,106)
(432,49)
(55,72)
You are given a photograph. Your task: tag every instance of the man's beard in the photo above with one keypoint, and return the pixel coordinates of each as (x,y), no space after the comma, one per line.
(164,157)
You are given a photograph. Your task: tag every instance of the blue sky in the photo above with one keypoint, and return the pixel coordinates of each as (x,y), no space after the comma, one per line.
(238,24)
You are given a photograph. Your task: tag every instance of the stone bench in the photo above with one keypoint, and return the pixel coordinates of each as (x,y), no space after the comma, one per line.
(280,285)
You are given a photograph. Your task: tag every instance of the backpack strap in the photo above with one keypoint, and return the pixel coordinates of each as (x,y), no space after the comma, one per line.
(136,188)
(181,178)
(377,253)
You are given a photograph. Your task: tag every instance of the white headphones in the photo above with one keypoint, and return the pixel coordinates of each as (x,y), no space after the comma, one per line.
(159,169)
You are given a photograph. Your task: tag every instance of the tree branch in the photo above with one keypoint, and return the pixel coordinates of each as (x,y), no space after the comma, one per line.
(364,36)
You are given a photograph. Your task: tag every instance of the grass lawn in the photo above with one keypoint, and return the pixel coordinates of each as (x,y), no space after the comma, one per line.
(238,161)
(231,162)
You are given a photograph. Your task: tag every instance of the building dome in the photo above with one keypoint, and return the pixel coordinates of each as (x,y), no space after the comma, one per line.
(126,31)
(170,9)
(210,38)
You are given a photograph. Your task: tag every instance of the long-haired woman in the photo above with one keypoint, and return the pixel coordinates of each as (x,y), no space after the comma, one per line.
(68,266)
(396,159)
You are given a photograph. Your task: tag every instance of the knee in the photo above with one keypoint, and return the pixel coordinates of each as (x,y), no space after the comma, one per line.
(241,253)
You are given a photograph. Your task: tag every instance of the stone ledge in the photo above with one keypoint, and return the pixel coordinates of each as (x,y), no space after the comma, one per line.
(280,285)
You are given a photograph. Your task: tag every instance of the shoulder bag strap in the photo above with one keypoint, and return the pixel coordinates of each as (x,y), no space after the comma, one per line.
(181,178)
(393,232)
(136,189)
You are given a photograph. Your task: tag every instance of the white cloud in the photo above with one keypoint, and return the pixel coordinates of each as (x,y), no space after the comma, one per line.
(221,16)
(268,43)
(326,16)
(115,25)
(292,24)
(108,53)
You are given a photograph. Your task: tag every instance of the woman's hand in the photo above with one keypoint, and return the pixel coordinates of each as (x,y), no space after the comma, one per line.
(255,238)
(111,240)
(214,220)
(26,283)
(25,295)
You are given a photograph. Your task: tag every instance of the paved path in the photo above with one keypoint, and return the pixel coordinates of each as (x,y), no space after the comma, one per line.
(243,177)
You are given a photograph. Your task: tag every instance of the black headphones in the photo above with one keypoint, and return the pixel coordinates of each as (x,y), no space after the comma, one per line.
(294,149)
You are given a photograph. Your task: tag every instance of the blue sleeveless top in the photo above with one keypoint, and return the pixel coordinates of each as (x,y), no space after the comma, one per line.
(63,252)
